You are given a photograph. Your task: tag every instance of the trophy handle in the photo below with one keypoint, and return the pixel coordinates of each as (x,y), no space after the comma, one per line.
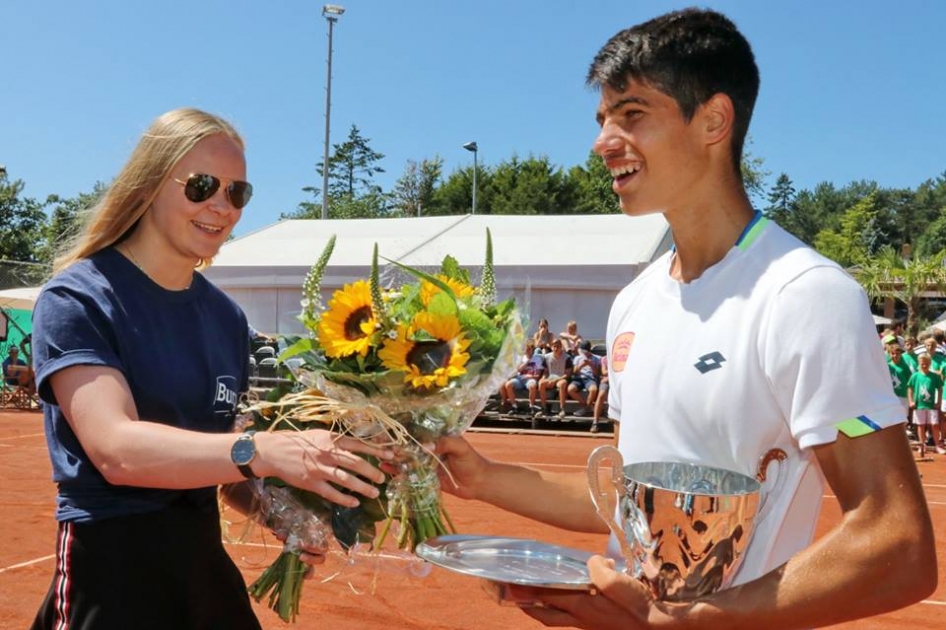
(775,454)
(606,500)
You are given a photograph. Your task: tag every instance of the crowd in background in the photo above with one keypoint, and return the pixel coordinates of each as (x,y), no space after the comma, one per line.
(563,365)
(917,366)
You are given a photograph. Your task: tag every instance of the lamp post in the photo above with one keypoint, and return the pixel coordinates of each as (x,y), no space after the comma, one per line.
(471,146)
(330,12)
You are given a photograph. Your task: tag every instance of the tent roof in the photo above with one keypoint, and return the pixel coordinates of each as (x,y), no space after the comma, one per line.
(608,239)
(21,298)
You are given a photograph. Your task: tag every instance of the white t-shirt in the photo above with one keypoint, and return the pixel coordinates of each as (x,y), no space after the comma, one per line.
(557,366)
(774,346)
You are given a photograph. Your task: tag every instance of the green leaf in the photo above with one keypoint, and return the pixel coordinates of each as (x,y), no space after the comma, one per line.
(451,268)
(299,346)
(377,301)
(312,286)
(488,286)
(437,282)
(442,304)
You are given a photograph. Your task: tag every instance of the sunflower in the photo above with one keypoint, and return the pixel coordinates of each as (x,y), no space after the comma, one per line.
(347,325)
(428,362)
(429,290)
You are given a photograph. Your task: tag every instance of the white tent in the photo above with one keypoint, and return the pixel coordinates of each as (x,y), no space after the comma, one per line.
(21,298)
(559,267)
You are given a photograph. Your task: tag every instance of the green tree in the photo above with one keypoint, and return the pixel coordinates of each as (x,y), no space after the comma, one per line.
(905,279)
(352,167)
(899,217)
(413,193)
(782,208)
(372,205)
(928,230)
(753,174)
(823,206)
(933,238)
(531,186)
(592,185)
(351,188)
(455,195)
(306,209)
(819,210)
(930,197)
(22,221)
(65,219)
(857,238)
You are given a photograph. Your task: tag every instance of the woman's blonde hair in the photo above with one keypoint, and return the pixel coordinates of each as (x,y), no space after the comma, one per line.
(161,147)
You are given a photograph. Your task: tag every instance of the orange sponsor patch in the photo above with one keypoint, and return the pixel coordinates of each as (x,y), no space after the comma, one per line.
(619,351)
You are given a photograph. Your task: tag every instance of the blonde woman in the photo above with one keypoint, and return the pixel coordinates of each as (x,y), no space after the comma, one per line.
(571,338)
(141,361)
(543,336)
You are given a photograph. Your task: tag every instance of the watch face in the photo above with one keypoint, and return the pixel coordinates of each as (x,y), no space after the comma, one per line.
(243,451)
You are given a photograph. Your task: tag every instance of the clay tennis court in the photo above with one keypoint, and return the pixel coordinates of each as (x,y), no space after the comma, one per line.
(350,601)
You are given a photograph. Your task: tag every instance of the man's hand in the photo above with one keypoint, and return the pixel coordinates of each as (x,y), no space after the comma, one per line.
(617,601)
(463,467)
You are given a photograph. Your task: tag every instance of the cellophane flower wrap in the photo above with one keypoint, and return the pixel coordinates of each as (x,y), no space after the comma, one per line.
(399,365)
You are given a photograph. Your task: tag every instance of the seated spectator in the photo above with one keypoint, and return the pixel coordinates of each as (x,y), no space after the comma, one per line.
(602,396)
(14,368)
(256,335)
(571,338)
(18,373)
(531,369)
(543,336)
(558,371)
(26,345)
(583,387)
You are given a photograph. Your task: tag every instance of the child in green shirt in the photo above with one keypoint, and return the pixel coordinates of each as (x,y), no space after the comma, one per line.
(924,390)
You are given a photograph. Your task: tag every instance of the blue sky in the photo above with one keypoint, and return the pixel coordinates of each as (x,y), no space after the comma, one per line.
(850,89)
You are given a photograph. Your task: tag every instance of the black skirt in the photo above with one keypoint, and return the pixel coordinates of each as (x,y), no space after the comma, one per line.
(160,570)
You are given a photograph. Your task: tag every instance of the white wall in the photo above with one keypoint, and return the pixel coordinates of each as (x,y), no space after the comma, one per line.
(585,296)
(560,267)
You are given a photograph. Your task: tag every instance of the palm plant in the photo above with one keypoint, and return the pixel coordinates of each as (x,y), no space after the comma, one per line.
(904,278)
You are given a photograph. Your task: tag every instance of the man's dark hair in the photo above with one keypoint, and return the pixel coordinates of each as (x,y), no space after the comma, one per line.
(689,55)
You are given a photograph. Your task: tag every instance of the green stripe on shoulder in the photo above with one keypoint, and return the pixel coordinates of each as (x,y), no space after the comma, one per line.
(856,427)
(753,233)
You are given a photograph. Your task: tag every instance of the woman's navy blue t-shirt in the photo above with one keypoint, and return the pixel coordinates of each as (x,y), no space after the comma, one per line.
(183,353)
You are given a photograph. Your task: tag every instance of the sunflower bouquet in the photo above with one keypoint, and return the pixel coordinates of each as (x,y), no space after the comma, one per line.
(399,365)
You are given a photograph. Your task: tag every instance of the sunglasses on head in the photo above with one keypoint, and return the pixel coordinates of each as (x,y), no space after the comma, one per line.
(200,187)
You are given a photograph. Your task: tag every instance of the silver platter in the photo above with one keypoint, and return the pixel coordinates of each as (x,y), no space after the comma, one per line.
(510,560)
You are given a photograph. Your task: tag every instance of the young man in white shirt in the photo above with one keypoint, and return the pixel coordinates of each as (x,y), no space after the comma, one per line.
(739,340)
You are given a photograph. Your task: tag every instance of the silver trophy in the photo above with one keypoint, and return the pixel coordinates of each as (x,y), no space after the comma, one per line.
(683,528)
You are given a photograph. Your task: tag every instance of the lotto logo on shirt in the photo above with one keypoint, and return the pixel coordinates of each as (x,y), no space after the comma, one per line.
(619,351)
(225,394)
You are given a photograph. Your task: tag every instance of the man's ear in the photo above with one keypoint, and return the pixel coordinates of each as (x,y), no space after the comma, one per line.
(717,116)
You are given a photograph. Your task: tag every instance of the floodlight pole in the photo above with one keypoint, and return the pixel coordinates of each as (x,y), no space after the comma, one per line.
(471,146)
(330,12)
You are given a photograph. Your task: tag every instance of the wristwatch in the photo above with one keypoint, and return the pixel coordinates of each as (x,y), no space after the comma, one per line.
(243,452)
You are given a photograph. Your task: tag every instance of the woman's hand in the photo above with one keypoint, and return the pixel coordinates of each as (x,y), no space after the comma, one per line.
(312,556)
(318,461)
